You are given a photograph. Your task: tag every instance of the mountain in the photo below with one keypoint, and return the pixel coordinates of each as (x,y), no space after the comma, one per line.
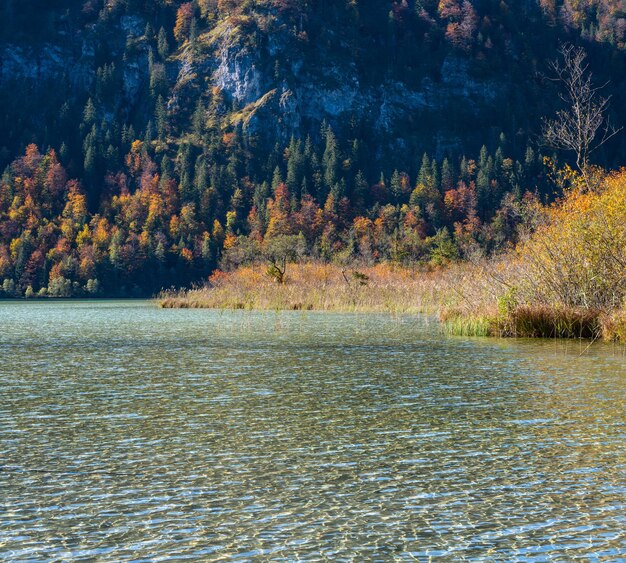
(411,124)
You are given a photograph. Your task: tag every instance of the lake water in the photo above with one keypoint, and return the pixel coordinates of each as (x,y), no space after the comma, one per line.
(133,433)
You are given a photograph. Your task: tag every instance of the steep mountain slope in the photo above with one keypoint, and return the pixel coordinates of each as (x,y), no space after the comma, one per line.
(437,77)
(204,109)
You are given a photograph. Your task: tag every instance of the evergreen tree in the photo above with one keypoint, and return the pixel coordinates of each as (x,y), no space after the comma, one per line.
(277,179)
(330,160)
(395,186)
(162,45)
(425,172)
(160,115)
(447,176)
(295,166)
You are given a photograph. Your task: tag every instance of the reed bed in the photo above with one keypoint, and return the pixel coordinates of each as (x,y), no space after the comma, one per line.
(470,299)
(327,287)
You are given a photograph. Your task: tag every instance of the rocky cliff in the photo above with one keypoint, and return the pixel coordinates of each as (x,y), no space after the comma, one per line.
(405,76)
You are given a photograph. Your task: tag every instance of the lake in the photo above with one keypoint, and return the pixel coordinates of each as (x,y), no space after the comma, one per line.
(128,432)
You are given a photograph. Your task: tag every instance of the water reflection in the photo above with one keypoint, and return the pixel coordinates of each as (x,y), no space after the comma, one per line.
(205,435)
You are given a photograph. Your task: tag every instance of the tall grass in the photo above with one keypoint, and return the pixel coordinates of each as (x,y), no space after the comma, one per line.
(324,287)
(460,325)
(469,299)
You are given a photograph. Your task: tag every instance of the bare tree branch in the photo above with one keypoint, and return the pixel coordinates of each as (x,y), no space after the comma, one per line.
(582,126)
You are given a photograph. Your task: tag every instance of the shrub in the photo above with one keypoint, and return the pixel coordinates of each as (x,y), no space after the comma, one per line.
(60,287)
(578,259)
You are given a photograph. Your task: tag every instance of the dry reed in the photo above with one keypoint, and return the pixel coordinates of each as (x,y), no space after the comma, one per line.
(470,299)
(327,287)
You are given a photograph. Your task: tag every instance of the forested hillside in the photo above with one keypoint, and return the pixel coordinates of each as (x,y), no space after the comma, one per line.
(143,141)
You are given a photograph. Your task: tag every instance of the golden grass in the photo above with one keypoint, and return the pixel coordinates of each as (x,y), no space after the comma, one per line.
(613,326)
(469,299)
(326,287)
(536,321)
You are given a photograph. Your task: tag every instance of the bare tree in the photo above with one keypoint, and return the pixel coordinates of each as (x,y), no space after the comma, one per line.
(582,126)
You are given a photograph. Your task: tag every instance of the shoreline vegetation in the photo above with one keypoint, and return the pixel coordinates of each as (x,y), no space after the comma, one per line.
(565,280)
(462,296)
(321,287)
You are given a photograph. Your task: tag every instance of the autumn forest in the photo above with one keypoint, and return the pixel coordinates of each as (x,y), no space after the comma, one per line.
(145,144)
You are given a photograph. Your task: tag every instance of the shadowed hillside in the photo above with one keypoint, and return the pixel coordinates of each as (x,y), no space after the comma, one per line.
(402,131)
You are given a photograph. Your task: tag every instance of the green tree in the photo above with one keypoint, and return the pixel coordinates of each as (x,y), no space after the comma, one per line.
(162,45)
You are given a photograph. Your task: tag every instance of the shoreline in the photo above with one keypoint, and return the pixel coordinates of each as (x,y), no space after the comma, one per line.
(457,295)
(314,286)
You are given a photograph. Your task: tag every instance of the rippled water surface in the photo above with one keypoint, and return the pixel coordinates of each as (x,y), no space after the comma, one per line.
(133,433)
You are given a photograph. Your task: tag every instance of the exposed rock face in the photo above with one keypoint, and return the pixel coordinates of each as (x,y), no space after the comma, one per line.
(275,91)
(276,114)
(237,71)
(272,100)
(64,74)
(132,25)
(395,102)
(279,105)
(49,62)
(73,60)
(457,82)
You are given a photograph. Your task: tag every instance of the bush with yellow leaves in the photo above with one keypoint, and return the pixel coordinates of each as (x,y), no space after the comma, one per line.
(578,257)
